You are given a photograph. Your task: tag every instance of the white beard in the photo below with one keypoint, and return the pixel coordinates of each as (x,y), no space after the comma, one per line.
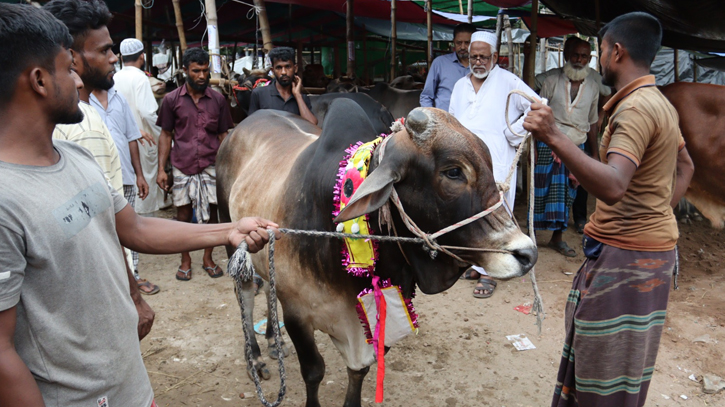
(575,74)
(478,75)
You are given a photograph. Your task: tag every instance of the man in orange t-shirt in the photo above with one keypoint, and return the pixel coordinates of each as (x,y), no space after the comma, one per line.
(616,308)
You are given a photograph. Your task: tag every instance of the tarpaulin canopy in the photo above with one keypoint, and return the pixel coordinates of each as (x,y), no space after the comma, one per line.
(692,25)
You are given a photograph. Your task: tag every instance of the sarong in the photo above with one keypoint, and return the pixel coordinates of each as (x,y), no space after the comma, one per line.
(129,192)
(553,191)
(615,313)
(199,190)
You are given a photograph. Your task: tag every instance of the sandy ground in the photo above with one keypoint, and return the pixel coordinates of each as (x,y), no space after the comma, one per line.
(461,357)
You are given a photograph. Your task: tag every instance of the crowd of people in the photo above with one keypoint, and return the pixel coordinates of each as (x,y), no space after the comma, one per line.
(93,140)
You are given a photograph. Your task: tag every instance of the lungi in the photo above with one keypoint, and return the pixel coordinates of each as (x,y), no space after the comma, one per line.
(553,191)
(129,192)
(199,190)
(615,313)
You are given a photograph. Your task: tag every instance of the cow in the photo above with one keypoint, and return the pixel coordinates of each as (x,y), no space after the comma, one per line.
(701,108)
(279,166)
(379,116)
(399,102)
(406,82)
(243,91)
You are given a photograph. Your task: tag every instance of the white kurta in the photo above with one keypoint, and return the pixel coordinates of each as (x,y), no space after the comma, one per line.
(134,85)
(483,113)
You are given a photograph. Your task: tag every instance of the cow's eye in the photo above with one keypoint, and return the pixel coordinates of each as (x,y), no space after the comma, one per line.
(453,173)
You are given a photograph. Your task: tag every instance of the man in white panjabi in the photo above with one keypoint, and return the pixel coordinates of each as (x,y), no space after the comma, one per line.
(133,83)
(478,101)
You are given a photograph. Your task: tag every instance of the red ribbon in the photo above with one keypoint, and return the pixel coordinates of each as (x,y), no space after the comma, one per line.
(381,346)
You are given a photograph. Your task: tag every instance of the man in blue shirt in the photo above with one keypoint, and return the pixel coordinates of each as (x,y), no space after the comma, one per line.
(447,69)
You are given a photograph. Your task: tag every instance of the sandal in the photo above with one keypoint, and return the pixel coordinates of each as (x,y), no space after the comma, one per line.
(562,248)
(485,285)
(214,272)
(468,274)
(147,287)
(183,275)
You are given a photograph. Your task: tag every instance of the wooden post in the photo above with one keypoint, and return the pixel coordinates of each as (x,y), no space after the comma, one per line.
(393,39)
(337,72)
(350,39)
(596,47)
(694,69)
(677,66)
(533,41)
(509,41)
(300,58)
(544,55)
(499,27)
(179,26)
(470,11)
(264,26)
(213,32)
(366,71)
(429,22)
(139,20)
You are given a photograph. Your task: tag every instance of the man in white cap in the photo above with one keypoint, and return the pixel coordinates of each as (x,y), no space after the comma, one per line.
(478,101)
(133,83)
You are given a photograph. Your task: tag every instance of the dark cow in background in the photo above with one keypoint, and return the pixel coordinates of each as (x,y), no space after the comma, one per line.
(406,82)
(701,108)
(274,165)
(399,102)
(243,91)
(379,116)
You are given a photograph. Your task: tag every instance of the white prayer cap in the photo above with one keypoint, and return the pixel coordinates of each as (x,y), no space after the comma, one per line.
(131,46)
(487,37)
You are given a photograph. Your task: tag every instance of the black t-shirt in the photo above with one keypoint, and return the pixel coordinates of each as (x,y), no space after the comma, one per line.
(268,97)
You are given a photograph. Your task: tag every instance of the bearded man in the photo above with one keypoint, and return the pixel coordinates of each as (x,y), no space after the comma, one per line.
(198,119)
(573,93)
(478,101)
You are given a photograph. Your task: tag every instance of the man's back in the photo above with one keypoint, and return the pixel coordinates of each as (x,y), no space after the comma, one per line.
(134,85)
(64,291)
(643,127)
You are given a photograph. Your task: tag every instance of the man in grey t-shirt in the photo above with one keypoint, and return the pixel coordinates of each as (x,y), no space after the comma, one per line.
(68,327)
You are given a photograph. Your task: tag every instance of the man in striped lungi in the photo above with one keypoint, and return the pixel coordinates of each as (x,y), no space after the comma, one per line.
(616,308)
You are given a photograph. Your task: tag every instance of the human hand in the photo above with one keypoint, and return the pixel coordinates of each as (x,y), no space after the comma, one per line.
(148,137)
(254,231)
(297,86)
(540,122)
(555,158)
(146,317)
(143,187)
(162,180)
(574,181)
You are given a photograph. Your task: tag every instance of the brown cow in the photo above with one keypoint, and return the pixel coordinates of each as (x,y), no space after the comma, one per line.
(702,120)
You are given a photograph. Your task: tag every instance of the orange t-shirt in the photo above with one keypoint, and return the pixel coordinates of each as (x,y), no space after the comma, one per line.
(643,127)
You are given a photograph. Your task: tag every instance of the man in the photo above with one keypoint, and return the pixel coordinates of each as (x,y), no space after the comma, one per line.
(616,308)
(573,94)
(446,70)
(285,92)
(133,83)
(478,101)
(68,333)
(198,119)
(92,45)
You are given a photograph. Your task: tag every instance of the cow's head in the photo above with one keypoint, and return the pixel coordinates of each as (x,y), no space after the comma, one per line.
(443,174)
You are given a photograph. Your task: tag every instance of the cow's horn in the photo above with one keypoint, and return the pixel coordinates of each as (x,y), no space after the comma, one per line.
(418,125)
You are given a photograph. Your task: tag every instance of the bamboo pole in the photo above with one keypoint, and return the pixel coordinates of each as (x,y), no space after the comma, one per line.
(393,39)
(213,31)
(533,41)
(509,41)
(460,6)
(470,11)
(499,27)
(139,20)
(264,26)
(429,22)
(179,25)
(350,39)
(677,66)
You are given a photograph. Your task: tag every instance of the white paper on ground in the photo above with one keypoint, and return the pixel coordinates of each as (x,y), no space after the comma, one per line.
(520,342)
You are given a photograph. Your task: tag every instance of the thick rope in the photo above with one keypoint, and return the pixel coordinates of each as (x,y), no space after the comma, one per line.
(538,306)
(241,269)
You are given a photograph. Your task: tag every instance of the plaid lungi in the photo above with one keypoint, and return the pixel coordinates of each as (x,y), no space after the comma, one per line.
(199,190)
(615,313)
(553,191)
(129,192)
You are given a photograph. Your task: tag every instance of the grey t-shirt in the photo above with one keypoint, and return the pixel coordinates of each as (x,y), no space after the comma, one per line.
(61,264)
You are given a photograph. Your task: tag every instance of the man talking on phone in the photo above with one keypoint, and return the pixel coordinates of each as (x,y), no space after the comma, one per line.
(285,93)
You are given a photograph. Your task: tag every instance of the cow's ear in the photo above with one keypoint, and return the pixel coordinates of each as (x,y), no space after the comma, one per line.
(246,71)
(372,193)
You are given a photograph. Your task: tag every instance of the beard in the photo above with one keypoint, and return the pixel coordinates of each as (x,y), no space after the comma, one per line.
(66,110)
(196,86)
(93,78)
(463,54)
(482,75)
(284,81)
(575,74)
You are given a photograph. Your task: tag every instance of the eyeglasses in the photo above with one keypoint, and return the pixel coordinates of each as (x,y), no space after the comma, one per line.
(484,58)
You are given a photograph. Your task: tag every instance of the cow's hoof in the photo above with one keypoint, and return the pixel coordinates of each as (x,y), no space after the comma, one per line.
(262,372)
(272,352)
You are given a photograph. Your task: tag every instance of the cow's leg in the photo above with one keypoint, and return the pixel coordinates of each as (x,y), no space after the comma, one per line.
(269,335)
(312,365)
(354,386)
(248,298)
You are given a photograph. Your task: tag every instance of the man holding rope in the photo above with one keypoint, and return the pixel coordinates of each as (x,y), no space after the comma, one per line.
(68,326)
(616,309)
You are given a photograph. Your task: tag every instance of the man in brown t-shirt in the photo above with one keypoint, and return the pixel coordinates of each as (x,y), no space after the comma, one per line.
(617,305)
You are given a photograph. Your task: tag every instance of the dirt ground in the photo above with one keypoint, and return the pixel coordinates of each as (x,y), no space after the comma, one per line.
(461,357)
